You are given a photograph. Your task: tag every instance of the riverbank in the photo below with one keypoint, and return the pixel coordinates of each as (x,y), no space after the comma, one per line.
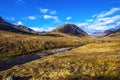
(30,57)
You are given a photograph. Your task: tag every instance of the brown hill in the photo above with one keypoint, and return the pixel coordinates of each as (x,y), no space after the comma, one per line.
(6,26)
(70,29)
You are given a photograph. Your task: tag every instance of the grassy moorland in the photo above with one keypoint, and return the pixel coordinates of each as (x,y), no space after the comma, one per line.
(13,44)
(93,61)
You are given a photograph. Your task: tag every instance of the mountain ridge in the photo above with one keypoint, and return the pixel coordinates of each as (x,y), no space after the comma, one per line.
(6,26)
(104,33)
(115,33)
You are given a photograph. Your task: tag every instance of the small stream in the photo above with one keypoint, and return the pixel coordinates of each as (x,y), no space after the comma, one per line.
(30,57)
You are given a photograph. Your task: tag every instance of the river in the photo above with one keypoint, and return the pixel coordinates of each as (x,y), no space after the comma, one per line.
(30,57)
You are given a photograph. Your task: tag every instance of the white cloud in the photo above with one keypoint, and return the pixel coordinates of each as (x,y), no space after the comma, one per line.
(82,24)
(102,21)
(47,16)
(94,15)
(20,2)
(90,20)
(50,28)
(44,10)
(19,23)
(37,29)
(108,13)
(10,18)
(55,18)
(53,12)
(118,24)
(99,27)
(109,22)
(32,17)
(68,18)
(105,23)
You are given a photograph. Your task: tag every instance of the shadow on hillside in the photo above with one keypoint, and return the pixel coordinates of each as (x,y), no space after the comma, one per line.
(52,35)
(87,77)
(23,78)
(12,77)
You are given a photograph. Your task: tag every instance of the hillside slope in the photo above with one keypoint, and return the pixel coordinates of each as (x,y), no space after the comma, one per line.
(14,44)
(70,29)
(6,26)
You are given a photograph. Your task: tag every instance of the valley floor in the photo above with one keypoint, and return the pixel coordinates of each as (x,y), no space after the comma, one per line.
(93,61)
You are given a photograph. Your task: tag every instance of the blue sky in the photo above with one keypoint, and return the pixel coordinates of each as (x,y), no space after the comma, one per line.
(90,15)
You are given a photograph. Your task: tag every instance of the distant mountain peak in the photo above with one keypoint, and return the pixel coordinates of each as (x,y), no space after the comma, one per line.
(24,28)
(114,33)
(71,29)
(105,33)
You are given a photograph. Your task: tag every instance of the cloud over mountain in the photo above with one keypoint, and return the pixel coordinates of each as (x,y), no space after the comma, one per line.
(103,21)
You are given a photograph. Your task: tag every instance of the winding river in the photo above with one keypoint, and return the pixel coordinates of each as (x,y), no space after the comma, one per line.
(30,57)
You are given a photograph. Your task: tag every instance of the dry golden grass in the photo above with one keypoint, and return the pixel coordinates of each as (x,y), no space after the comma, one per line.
(94,61)
(12,44)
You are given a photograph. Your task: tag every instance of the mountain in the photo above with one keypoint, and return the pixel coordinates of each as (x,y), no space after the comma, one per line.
(24,28)
(70,29)
(6,26)
(99,34)
(104,33)
(116,33)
